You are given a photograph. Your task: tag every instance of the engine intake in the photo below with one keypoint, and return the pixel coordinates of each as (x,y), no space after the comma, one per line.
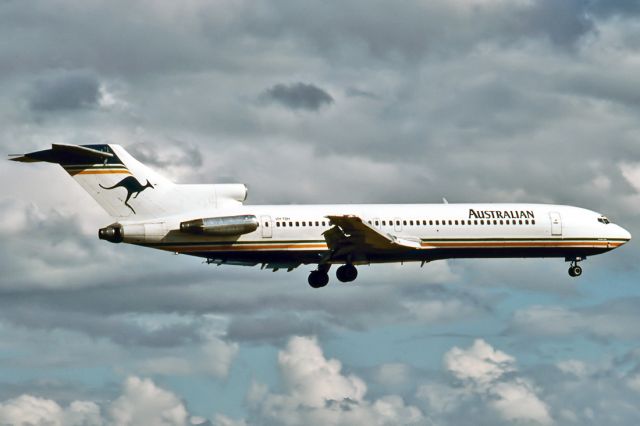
(228,225)
(112,233)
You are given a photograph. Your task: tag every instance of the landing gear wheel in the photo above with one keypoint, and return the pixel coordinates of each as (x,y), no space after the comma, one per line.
(575,271)
(318,279)
(346,273)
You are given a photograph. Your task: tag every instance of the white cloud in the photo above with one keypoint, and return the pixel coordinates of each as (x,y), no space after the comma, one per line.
(516,400)
(480,363)
(214,357)
(631,172)
(487,375)
(31,410)
(574,367)
(142,402)
(314,379)
(317,392)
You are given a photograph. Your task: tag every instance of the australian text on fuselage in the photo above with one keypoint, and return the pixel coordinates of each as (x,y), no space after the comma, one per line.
(501,214)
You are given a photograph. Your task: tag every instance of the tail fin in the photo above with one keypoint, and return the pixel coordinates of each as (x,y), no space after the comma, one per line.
(127,189)
(123,186)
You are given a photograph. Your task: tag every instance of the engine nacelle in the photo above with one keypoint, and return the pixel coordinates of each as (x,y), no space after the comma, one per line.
(228,225)
(134,232)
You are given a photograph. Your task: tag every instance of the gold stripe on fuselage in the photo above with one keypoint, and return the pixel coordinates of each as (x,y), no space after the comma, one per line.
(427,245)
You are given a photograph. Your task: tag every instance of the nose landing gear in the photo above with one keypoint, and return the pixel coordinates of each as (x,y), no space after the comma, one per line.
(575,270)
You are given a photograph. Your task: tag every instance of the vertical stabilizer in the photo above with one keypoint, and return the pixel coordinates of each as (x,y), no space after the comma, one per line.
(124,187)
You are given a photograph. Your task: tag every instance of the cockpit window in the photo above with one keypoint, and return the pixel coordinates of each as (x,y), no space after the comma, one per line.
(604,219)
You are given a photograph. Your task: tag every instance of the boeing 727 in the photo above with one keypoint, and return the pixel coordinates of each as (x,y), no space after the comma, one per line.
(211,222)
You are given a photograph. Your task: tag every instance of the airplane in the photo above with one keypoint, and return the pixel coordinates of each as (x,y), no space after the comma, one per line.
(210,221)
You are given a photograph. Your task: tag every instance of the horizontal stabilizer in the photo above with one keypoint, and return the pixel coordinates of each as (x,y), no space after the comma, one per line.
(64,154)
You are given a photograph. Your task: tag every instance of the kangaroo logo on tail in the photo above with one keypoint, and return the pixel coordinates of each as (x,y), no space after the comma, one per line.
(132,186)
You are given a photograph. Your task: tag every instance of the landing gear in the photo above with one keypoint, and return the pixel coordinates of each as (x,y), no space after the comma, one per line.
(347,273)
(575,270)
(320,277)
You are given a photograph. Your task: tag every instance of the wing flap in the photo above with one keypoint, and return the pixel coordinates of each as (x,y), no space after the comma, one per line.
(351,232)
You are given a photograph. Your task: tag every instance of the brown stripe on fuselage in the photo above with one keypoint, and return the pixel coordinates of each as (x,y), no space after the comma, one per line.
(322,246)
(264,247)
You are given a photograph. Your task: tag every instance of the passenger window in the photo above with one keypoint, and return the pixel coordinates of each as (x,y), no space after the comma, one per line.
(266,224)
(450,223)
(520,221)
(482,222)
(437,222)
(475,222)
(456,222)
(411,222)
(533,222)
(384,223)
(377,223)
(431,222)
(404,222)
(495,222)
(507,221)
(526,222)
(317,223)
(501,222)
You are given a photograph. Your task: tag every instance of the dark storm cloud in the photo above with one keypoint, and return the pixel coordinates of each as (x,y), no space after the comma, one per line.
(358,93)
(563,22)
(298,96)
(275,328)
(623,8)
(62,91)
(608,321)
(472,100)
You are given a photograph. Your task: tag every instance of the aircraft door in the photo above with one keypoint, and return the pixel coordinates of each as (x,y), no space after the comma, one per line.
(397,224)
(265,223)
(556,224)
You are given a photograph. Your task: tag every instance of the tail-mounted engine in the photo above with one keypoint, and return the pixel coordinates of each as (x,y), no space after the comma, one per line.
(228,225)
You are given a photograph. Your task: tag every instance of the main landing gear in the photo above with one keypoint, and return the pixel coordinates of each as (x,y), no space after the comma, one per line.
(575,270)
(347,273)
(320,277)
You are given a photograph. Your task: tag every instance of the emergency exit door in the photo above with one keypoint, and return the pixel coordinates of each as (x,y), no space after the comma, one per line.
(556,224)
(266,226)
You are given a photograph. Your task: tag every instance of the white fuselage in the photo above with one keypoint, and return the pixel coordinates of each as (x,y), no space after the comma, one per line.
(293,234)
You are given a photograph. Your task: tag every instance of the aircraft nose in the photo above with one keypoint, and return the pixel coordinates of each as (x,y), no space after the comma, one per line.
(624,234)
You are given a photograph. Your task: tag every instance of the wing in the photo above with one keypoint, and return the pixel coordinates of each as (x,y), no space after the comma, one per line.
(351,235)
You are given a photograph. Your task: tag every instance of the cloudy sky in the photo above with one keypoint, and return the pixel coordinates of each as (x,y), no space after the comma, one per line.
(320,101)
